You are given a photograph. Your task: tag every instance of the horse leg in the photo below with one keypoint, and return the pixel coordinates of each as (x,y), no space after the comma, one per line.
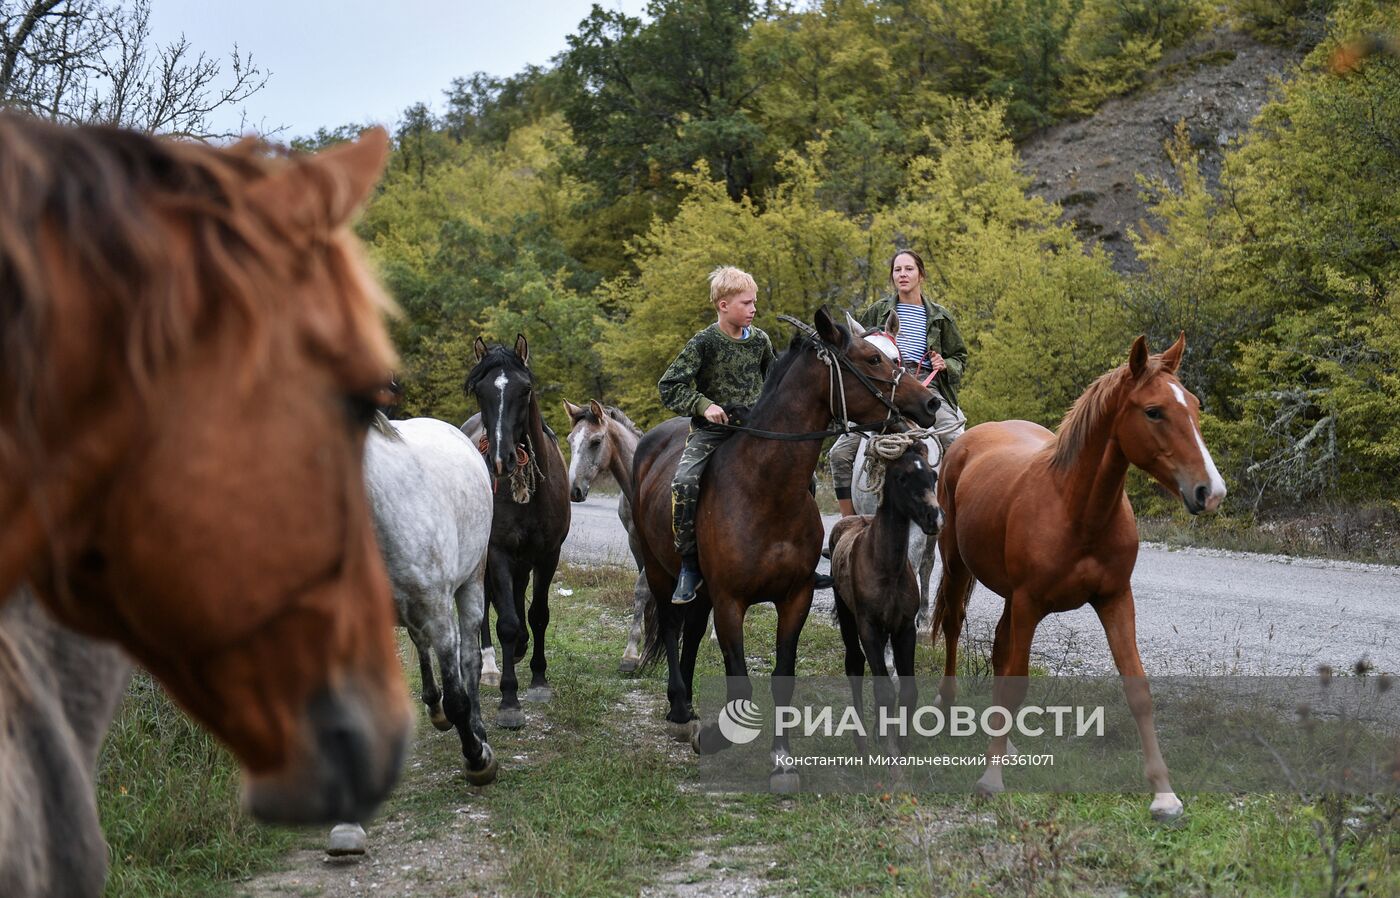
(696,619)
(1119,619)
(1011,660)
(479,760)
(632,655)
(432,696)
(792,614)
(502,591)
(729,623)
(923,567)
(490,673)
(520,579)
(905,639)
(855,664)
(539,622)
(950,609)
(873,639)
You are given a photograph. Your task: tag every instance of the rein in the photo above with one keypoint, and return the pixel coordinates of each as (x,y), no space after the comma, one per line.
(834,362)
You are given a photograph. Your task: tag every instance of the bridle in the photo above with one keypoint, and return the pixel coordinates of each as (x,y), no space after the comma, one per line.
(837,367)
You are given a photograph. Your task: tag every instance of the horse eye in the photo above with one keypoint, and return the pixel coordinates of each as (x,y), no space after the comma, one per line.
(1154,413)
(596,442)
(873,360)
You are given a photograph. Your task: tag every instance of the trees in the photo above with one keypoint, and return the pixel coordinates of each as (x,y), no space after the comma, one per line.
(89,61)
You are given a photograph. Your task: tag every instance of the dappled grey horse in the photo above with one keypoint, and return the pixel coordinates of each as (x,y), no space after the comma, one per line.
(430,498)
(603,438)
(58,692)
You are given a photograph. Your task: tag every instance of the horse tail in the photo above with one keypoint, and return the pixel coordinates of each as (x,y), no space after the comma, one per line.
(942,600)
(653,646)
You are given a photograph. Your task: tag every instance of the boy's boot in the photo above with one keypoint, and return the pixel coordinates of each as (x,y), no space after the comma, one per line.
(688,581)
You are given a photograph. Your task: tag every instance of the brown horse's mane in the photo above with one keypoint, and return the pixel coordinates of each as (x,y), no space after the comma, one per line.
(1089,410)
(90,209)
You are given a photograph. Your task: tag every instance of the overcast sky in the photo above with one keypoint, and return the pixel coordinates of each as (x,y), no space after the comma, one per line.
(335,62)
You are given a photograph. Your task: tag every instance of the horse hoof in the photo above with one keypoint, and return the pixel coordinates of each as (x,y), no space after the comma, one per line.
(1167,808)
(628,665)
(439,719)
(682,732)
(708,740)
(987,790)
(491,678)
(510,718)
(346,839)
(487,774)
(784,782)
(539,694)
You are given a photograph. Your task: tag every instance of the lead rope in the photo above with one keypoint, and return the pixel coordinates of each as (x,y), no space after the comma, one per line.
(526,474)
(881,449)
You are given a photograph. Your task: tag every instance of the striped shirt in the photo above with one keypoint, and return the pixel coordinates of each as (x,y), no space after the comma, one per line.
(913,333)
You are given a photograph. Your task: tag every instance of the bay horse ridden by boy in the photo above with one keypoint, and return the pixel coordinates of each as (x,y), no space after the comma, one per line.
(1043,521)
(190,347)
(877,590)
(605,439)
(531,516)
(757,525)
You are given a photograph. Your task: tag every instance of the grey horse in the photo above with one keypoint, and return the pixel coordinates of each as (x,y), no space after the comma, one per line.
(430,497)
(58,692)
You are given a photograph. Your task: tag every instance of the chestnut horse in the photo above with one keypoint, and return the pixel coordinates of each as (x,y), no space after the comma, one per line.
(758,527)
(190,348)
(1042,520)
(605,439)
(531,516)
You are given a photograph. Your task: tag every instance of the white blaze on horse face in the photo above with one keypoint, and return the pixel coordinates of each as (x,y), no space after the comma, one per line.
(500,384)
(575,442)
(1180,394)
(1217,483)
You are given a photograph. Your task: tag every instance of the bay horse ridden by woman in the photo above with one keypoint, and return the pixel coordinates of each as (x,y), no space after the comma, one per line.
(531,516)
(605,439)
(758,527)
(1043,521)
(190,347)
(877,591)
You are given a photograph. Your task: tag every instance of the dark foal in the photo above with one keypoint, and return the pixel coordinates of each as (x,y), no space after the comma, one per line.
(758,527)
(531,515)
(877,592)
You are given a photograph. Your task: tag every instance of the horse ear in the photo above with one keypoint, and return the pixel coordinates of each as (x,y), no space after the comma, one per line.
(827,329)
(479,347)
(522,349)
(854,326)
(573,411)
(321,192)
(597,409)
(892,323)
(1137,356)
(1171,359)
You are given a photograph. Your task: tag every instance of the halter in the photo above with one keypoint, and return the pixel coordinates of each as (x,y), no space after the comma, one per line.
(835,362)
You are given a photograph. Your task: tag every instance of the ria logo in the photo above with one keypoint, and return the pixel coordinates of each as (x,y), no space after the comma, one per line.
(740,721)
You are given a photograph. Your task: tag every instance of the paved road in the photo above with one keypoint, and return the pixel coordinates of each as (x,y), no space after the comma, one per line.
(1199,611)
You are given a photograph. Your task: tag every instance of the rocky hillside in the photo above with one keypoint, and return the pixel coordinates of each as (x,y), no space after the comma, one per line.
(1216,85)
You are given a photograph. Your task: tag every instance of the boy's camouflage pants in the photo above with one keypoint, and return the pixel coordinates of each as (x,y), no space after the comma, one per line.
(685,486)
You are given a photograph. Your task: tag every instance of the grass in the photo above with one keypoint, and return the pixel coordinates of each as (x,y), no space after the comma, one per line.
(593,800)
(168,796)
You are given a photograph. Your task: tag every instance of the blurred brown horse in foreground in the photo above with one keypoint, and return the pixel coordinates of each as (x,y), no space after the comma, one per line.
(190,347)
(1042,520)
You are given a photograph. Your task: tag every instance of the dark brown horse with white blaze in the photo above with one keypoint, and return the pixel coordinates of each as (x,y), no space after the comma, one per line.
(1043,521)
(758,527)
(190,345)
(531,514)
